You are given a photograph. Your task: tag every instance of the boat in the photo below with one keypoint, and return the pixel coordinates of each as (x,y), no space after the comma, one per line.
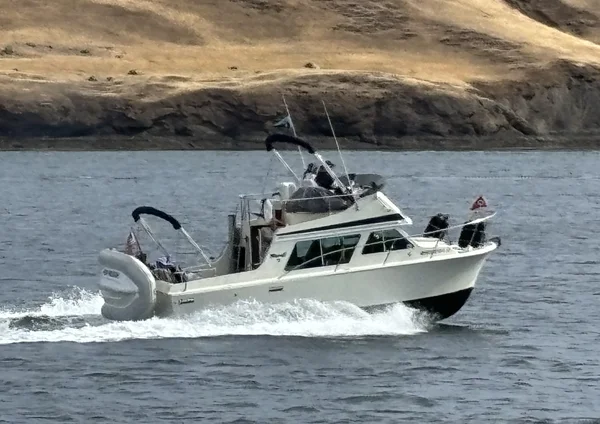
(319,236)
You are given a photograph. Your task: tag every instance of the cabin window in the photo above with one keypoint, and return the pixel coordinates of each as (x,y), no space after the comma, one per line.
(322,252)
(385,241)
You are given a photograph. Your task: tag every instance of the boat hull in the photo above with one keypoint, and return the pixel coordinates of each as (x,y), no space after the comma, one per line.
(436,307)
(441,287)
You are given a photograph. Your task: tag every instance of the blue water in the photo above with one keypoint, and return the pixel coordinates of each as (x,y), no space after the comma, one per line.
(523,349)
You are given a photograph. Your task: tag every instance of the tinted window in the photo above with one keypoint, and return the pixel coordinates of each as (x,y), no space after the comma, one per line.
(385,241)
(322,252)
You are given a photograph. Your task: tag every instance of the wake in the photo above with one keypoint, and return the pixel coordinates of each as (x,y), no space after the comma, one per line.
(75,317)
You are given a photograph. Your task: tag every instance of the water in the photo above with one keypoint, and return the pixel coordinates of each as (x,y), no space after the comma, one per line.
(523,349)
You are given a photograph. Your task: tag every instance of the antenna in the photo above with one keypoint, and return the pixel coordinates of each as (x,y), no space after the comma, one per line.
(336,142)
(293,130)
(282,160)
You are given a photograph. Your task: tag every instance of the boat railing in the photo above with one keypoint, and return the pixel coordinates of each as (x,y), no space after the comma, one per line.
(263,196)
(388,244)
(320,260)
(325,204)
(333,196)
(451,234)
(247,199)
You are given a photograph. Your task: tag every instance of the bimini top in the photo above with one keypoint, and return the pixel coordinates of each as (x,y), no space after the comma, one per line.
(284,138)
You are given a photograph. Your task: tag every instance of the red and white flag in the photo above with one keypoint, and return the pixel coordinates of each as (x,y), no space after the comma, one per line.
(479,203)
(132,246)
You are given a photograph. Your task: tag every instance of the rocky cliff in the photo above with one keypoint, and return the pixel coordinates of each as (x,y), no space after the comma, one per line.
(215,70)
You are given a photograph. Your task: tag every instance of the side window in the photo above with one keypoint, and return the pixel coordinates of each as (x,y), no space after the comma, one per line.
(339,250)
(322,252)
(306,254)
(393,240)
(384,241)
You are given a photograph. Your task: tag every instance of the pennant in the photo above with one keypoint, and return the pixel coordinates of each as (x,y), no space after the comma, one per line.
(479,203)
(132,246)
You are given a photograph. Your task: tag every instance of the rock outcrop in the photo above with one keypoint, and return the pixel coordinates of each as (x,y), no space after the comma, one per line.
(453,79)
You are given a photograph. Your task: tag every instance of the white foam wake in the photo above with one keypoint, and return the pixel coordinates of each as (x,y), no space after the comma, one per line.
(305,318)
(76,302)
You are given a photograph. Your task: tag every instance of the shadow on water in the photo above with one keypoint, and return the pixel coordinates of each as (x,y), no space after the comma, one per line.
(48,323)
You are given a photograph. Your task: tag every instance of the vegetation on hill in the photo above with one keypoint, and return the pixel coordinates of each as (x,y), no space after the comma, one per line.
(217,68)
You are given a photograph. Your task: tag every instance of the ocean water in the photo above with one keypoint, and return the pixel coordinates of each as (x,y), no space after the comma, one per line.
(523,349)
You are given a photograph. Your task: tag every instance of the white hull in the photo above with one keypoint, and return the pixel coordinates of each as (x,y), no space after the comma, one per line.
(434,281)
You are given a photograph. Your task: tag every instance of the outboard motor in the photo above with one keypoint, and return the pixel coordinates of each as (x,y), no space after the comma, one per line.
(437,226)
(472,234)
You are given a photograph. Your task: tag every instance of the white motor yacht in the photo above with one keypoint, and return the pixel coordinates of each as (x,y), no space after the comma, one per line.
(319,237)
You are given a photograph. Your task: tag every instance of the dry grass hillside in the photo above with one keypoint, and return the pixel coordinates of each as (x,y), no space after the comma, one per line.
(386,68)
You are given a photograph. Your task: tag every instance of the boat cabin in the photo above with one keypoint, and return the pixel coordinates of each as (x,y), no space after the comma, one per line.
(306,228)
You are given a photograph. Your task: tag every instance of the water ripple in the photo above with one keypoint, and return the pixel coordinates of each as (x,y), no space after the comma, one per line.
(523,350)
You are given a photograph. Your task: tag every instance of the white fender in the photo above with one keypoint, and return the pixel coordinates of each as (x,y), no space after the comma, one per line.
(127,286)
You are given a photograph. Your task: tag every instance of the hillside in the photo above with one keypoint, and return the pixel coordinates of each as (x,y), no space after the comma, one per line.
(213,68)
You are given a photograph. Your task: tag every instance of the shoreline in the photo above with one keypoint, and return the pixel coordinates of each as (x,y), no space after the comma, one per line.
(583,141)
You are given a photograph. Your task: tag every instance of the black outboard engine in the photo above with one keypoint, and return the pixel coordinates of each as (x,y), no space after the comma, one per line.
(437,226)
(472,234)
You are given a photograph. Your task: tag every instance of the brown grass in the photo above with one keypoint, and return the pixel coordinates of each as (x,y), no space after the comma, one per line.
(187,44)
